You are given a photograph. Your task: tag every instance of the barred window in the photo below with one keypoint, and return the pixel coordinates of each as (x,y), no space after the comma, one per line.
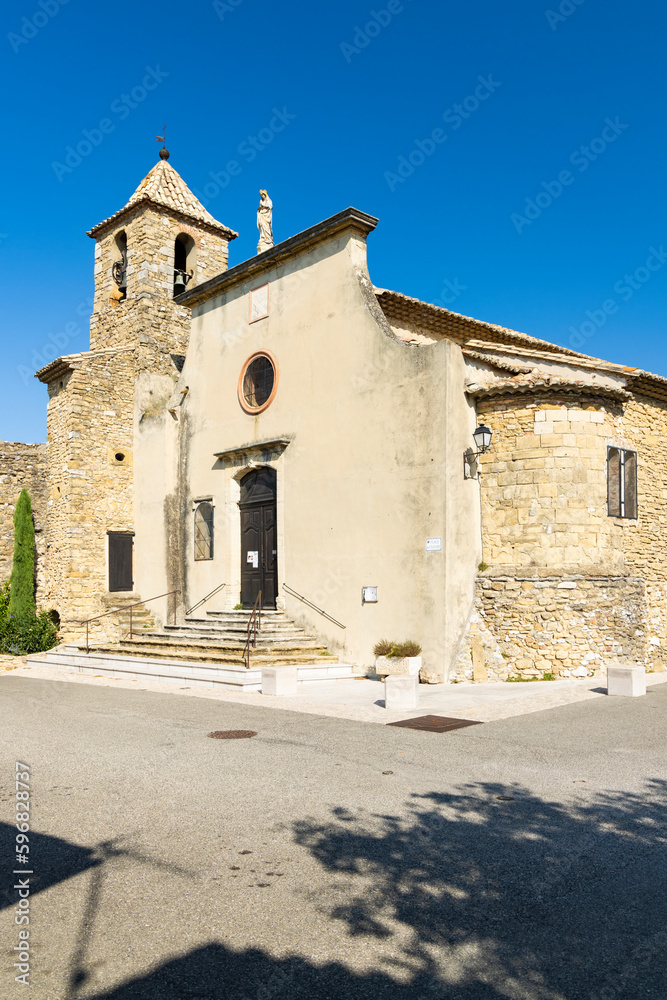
(204,531)
(621,483)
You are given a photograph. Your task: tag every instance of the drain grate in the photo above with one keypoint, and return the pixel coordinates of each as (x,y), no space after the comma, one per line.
(232,734)
(434,723)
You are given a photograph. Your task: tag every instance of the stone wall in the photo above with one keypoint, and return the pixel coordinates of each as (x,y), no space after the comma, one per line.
(644,429)
(568,587)
(544,485)
(90,424)
(22,466)
(557,625)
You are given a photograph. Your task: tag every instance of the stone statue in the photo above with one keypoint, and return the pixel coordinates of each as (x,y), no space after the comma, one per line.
(265,222)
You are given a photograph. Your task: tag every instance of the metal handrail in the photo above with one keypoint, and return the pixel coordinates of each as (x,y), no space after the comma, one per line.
(256,619)
(127,607)
(310,604)
(205,599)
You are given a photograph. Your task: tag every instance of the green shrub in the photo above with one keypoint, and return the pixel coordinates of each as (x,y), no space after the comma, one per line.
(27,633)
(397,649)
(22,634)
(22,581)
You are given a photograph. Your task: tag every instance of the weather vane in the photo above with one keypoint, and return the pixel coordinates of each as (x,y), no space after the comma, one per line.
(164,152)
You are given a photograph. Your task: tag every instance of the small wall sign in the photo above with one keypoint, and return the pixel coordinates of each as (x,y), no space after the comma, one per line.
(259,303)
(434,544)
(369,595)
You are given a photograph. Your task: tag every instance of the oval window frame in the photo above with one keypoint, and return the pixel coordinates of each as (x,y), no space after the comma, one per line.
(254,410)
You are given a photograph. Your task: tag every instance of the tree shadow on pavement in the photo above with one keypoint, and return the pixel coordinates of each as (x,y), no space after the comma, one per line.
(488,894)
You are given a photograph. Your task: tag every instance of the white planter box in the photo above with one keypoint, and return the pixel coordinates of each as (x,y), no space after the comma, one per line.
(404,665)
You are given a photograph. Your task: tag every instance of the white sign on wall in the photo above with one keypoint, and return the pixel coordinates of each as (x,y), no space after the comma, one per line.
(259,303)
(434,544)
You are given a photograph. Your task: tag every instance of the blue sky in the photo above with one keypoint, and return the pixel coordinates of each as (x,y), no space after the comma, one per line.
(514,154)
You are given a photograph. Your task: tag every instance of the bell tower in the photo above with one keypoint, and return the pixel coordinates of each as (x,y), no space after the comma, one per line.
(160,243)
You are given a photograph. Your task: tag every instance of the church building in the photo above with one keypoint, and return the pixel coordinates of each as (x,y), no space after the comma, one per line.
(284,433)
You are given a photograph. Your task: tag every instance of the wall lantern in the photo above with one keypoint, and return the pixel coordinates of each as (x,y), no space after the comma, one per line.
(482,438)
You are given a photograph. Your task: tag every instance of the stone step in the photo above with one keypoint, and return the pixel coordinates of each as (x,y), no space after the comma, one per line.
(213,654)
(189,672)
(192,640)
(270,615)
(234,629)
(231,639)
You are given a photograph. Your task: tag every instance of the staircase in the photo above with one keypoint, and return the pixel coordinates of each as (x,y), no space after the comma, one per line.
(209,650)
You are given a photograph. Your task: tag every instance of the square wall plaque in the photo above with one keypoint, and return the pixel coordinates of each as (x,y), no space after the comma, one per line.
(259,303)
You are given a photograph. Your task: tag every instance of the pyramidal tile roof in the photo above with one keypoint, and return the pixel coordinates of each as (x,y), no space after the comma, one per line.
(165,187)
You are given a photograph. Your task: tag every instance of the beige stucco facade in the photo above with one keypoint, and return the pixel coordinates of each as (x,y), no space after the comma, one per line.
(365,434)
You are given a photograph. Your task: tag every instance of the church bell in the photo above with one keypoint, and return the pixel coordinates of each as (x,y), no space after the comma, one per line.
(181,281)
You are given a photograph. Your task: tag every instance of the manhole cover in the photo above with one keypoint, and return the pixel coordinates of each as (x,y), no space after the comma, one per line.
(232,734)
(434,723)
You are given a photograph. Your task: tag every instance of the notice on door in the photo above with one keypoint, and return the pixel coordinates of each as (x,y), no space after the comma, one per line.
(253,558)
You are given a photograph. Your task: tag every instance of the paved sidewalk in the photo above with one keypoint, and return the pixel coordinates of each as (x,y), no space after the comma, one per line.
(363,699)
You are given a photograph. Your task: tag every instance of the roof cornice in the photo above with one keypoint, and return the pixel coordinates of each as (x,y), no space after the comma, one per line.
(351,219)
(147,202)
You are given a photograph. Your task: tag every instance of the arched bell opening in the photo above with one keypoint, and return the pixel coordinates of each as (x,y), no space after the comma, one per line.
(185,251)
(119,267)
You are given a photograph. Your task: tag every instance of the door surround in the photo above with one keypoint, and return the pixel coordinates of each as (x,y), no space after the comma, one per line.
(234,465)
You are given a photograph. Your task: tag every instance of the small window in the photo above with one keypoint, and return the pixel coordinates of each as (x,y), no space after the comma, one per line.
(621,483)
(258,382)
(204,531)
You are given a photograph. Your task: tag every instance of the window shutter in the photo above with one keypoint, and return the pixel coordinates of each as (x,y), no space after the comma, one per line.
(613,482)
(204,531)
(630,483)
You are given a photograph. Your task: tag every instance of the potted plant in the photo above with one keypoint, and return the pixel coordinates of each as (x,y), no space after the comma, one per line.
(393,657)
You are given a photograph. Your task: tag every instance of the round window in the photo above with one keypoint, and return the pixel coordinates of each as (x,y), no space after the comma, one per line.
(258,382)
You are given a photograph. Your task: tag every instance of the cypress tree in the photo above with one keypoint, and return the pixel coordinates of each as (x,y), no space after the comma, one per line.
(22,582)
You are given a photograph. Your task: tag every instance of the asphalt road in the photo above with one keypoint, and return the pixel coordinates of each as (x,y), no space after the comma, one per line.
(326,858)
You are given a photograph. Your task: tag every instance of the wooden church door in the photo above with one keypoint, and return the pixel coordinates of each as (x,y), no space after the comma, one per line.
(259,563)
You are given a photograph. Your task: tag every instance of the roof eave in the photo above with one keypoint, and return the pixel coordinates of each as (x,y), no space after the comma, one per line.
(214,227)
(349,219)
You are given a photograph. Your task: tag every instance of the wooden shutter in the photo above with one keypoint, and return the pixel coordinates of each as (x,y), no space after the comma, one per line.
(613,482)
(120,561)
(630,483)
(204,531)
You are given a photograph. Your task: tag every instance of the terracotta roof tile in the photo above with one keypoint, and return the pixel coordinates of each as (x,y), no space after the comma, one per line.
(165,187)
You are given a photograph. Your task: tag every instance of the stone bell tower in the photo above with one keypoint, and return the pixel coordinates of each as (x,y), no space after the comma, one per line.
(162,241)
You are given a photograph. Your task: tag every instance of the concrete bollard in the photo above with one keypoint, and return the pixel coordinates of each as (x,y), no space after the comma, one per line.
(401,692)
(279,681)
(626,679)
